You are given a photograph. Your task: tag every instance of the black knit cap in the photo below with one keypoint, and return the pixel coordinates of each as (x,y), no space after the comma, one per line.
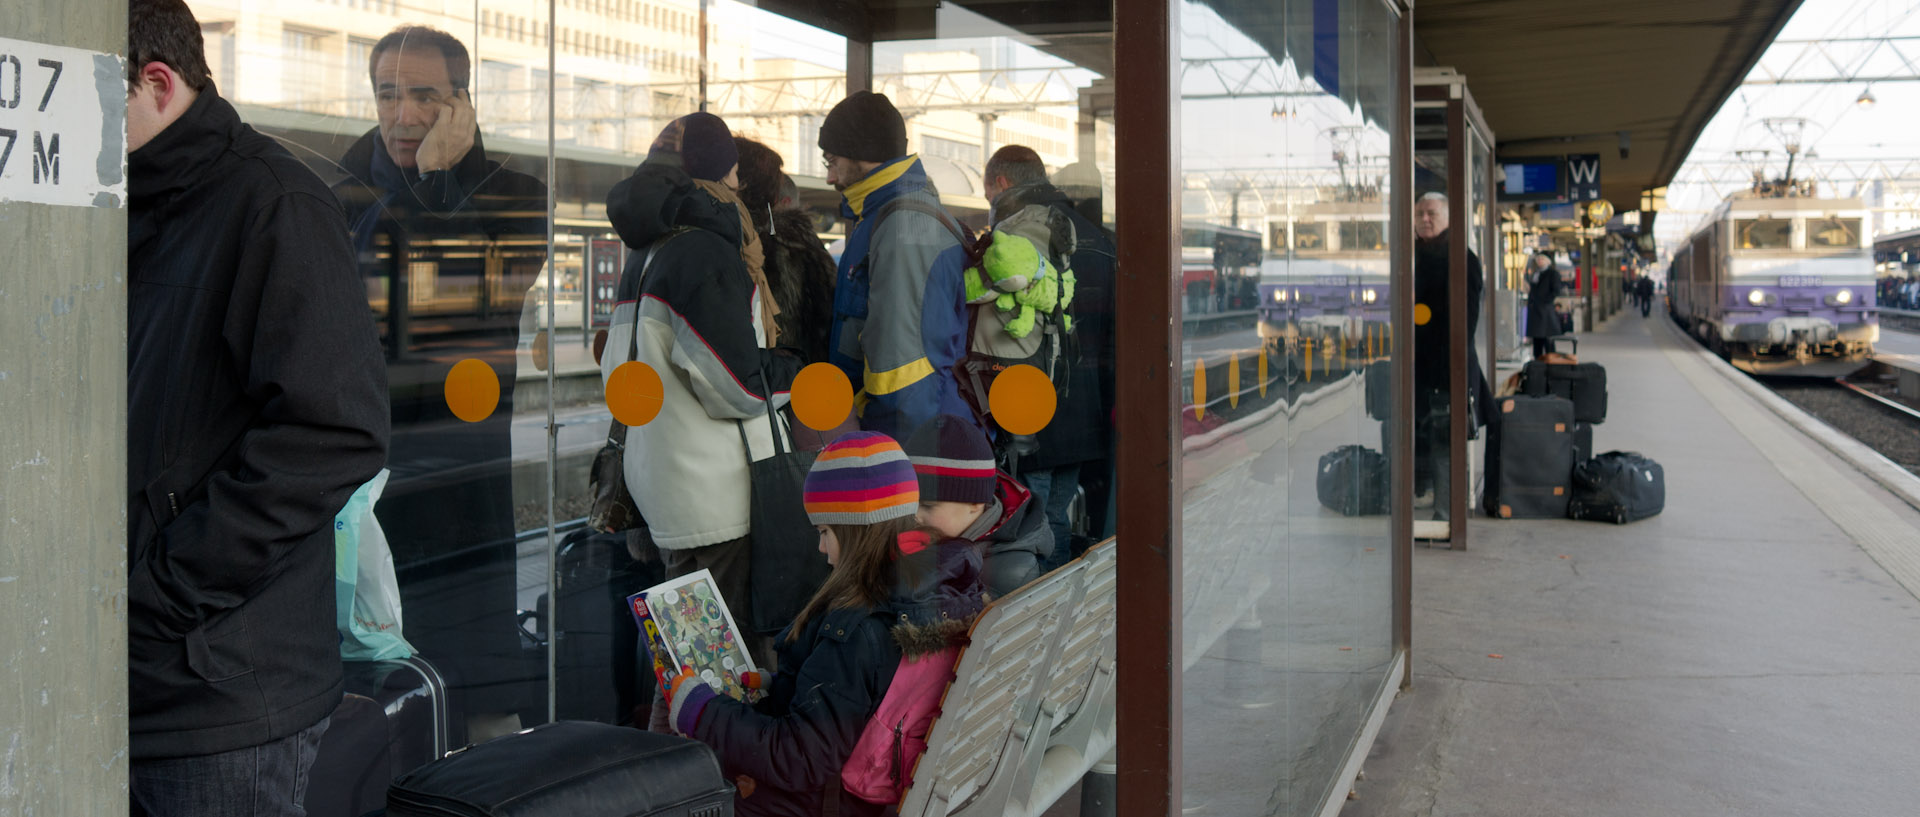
(865,126)
(953,461)
(703,143)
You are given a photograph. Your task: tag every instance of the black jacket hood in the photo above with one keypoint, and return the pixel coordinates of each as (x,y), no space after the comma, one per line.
(660,196)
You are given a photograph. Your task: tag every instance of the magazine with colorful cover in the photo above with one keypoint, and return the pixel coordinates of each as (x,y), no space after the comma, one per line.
(687,624)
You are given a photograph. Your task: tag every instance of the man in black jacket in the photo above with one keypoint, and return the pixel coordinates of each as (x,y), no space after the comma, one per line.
(1077,445)
(1433,345)
(256,404)
(421,195)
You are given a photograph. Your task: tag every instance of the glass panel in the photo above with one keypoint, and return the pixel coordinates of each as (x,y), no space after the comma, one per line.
(1287,620)
(1762,233)
(445,197)
(1833,232)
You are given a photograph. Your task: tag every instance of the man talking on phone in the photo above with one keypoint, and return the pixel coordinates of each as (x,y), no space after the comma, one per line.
(448,242)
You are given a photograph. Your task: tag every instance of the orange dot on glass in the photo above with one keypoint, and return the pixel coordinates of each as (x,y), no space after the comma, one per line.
(472,390)
(635,394)
(1421,314)
(1022,400)
(822,396)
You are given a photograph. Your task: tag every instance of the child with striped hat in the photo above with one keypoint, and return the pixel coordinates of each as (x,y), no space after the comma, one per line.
(897,590)
(963,496)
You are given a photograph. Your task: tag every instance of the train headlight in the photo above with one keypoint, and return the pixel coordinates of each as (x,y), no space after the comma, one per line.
(1369,296)
(1280,296)
(1843,297)
(1756,297)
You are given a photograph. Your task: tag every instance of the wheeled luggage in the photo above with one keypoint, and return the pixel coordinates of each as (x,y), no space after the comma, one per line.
(569,769)
(1379,388)
(1530,458)
(1582,442)
(1353,480)
(1583,383)
(392,720)
(1618,487)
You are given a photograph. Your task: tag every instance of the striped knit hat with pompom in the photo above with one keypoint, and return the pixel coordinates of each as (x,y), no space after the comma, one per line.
(863,478)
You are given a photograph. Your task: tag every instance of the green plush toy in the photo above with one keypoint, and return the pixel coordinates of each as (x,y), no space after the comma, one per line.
(1011,263)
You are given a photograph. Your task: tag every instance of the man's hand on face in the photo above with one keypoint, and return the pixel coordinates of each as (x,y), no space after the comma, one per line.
(450,137)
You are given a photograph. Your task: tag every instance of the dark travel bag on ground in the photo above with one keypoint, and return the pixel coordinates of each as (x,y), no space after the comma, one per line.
(1582,442)
(1530,458)
(1583,383)
(1353,480)
(569,769)
(1617,487)
(392,720)
(1379,389)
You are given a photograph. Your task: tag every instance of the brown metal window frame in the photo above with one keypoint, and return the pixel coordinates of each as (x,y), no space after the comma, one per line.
(1147,196)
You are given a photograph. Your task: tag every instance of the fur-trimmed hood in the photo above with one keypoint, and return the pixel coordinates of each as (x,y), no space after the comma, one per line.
(938,594)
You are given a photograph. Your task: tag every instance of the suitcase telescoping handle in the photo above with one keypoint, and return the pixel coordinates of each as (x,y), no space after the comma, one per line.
(1573,344)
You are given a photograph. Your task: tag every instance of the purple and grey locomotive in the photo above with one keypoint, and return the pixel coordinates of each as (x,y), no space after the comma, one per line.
(1780,285)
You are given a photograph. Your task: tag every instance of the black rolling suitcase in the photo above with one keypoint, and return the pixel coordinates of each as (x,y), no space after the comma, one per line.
(1582,442)
(1583,383)
(1530,458)
(1618,487)
(569,769)
(392,720)
(1379,389)
(1353,481)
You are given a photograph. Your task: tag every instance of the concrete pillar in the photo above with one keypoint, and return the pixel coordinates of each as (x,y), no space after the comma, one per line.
(63,308)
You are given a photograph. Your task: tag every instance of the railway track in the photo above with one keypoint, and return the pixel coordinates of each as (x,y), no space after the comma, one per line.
(1864,408)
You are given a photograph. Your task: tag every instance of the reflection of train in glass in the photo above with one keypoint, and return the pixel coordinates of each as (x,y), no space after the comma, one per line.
(1780,285)
(1217,266)
(1325,277)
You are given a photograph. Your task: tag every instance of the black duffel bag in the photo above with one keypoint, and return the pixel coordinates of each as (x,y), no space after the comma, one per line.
(569,769)
(1618,487)
(1353,480)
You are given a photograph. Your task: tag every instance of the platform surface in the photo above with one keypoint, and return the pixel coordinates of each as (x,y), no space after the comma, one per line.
(1750,651)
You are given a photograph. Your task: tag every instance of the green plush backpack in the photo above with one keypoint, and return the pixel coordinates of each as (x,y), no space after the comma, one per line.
(1020,293)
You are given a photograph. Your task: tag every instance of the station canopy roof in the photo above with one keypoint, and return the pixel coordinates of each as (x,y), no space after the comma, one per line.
(1550,76)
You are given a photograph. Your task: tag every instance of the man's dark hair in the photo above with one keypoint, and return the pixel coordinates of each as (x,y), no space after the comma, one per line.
(759,176)
(459,64)
(164,31)
(1018,164)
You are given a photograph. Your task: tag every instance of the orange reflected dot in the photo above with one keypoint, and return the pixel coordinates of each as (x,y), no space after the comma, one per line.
(1421,314)
(472,390)
(635,394)
(822,396)
(1022,400)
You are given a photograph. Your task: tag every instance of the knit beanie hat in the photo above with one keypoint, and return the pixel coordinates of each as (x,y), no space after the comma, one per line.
(863,478)
(953,461)
(864,126)
(704,144)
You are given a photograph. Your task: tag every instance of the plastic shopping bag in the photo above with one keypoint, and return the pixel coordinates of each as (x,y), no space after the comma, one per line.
(366,595)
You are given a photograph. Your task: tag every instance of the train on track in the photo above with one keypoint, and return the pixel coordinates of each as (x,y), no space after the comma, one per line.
(1325,280)
(1780,285)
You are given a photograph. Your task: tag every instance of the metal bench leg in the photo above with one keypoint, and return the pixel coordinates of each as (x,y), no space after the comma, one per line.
(1100,788)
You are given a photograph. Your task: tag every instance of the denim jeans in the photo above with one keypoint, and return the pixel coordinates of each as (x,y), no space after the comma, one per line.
(269,780)
(1053,490)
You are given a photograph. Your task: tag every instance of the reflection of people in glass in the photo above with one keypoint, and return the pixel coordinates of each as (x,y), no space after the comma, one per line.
(799,270)
(1432,274)
(255,406)
(1543,287)
(449,242)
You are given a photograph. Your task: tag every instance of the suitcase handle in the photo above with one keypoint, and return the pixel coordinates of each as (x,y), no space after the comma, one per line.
(1573,344)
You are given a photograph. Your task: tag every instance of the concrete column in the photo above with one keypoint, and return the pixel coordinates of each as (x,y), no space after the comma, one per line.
(63,309)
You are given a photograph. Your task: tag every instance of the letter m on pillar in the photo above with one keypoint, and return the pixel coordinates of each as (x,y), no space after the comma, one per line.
(46,159)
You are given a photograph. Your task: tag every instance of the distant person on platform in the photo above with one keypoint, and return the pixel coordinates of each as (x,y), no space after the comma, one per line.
(421,194)
(256,404)
(1643,289)
(897,349)
(1433,347)
(1543,286)
(1080,437)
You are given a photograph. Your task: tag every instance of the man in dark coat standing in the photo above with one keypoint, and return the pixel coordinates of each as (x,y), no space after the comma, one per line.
(422,194)
(1543,287)
(1433,346)
(256,404)
(1078,443)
